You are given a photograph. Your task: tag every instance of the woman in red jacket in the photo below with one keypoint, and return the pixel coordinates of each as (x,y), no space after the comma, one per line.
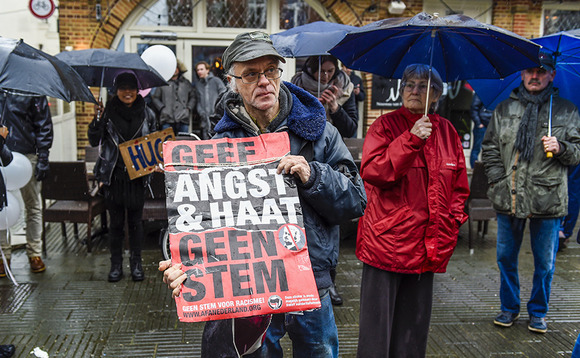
(415,178)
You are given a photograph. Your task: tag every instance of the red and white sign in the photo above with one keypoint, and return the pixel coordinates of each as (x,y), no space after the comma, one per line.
(236,227)
(43,9)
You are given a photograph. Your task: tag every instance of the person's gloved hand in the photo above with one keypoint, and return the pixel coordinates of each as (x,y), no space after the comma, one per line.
(42,167)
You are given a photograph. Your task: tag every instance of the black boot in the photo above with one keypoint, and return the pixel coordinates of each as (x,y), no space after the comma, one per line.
(137,272)
(335,297)
(116,272)
(7,350)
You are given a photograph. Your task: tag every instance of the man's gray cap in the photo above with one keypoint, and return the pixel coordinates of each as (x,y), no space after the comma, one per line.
(249,46)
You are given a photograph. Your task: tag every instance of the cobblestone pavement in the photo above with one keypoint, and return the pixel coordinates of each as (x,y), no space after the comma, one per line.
(72,311)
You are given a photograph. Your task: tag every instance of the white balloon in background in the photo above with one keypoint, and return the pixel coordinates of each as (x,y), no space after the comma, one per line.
(162,59)
(10,214)
(18,173)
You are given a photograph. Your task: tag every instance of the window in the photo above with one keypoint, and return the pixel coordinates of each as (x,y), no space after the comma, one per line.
(560,20)
(168,13)
(237,13)
(295,13)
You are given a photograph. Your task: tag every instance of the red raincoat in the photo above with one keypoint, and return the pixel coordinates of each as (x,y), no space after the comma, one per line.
(416,193)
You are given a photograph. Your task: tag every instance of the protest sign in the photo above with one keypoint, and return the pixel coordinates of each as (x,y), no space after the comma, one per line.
(141,155)
(236,227)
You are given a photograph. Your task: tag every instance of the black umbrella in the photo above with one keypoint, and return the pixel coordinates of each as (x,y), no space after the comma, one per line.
(26,69)
(99,67)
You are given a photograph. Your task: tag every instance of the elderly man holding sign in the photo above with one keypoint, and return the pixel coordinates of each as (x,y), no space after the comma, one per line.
(329,188)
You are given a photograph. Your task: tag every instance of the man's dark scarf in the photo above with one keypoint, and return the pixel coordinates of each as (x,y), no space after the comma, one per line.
(529,122)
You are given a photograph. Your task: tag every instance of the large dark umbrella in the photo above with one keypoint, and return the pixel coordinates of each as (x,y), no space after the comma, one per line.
(99,67)
(458,46)
(26,69)
(313,39)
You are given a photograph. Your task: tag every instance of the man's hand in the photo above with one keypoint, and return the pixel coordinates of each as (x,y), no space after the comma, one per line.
(42,167)
(172,276)
(551,144)
(296,165)
(422,128)
(99,108)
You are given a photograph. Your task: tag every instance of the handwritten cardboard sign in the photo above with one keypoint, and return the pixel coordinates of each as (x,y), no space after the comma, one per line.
(236,227)
(142,154)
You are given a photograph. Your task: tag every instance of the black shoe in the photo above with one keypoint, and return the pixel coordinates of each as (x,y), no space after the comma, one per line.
(137,272)
(116,273)
(7,350)
(334,296)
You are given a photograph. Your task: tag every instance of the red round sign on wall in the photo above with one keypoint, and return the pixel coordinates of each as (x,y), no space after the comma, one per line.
(42,9)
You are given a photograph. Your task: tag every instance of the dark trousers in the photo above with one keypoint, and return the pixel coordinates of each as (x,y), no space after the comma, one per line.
(117,231)
(395,312)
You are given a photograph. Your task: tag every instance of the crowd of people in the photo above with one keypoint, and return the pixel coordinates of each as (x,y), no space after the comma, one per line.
(409,193)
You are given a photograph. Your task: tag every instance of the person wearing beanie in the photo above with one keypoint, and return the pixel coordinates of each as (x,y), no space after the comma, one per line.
(126,117)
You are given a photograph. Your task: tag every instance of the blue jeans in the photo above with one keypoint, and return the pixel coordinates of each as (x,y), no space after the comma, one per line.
(177,127)
(478,134)
(544,241)
(313,333)
(573,201)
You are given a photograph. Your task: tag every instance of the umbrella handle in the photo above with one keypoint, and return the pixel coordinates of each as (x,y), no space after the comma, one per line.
(550,154)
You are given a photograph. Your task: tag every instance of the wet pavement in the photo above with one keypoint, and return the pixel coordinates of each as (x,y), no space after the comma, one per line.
(72,311)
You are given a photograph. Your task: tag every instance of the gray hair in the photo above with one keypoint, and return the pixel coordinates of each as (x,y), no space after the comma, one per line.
(231,80)
(420,71)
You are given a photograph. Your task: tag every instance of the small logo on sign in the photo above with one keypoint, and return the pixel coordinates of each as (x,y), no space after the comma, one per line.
(275,302)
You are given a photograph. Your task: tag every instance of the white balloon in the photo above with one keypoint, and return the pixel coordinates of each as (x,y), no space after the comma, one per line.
(18,173)
(162,59)
(10,214)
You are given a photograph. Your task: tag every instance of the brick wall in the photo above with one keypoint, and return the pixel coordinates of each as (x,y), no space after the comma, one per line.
(79,29)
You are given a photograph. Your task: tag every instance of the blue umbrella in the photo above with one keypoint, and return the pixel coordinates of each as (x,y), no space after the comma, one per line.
(314,39)
(458,46)
(565,47)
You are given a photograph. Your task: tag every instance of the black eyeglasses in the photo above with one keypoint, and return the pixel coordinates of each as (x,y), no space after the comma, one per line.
(271,74)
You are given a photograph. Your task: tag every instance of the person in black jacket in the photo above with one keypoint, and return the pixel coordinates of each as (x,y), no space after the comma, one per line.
(126,117)
(480,117)
(30,125)
(333,88)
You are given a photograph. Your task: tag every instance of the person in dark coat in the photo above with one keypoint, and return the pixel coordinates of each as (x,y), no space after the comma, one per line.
(126,117)
(333,88)
(358,90)
(29,121)
(480,117)
(329,188)
(176,102)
